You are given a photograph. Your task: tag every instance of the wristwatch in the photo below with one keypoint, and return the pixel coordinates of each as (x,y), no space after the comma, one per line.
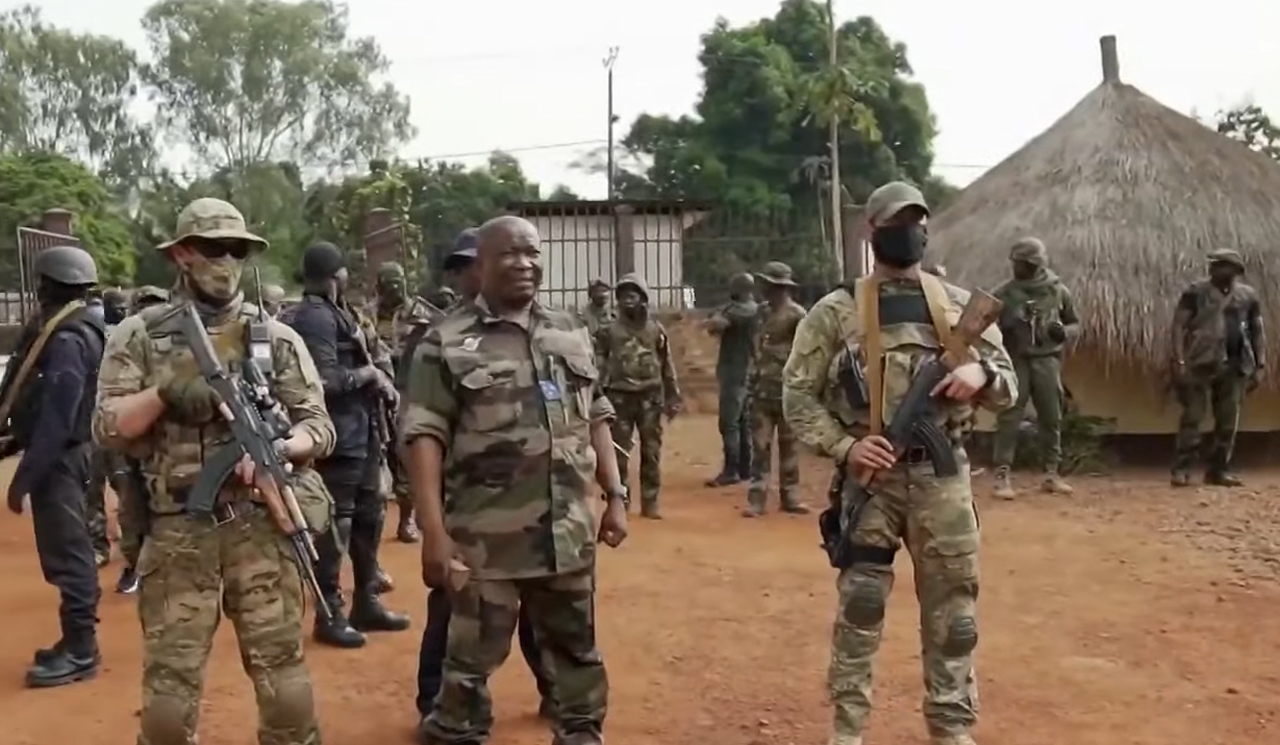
(991,374)
(622,493)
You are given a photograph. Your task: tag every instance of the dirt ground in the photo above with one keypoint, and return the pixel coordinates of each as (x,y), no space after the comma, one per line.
(1125,614)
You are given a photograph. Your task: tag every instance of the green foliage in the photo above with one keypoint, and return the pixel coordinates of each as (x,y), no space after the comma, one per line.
(1083,440)
(243,82)
(35,182)
(70,93)
(759,144)
(1252,126)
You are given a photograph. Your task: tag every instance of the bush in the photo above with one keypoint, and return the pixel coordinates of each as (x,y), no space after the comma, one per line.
(1083,449)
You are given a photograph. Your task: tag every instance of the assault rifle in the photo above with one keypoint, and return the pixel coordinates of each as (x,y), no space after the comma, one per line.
(257,424)
(913,425)
(385,418)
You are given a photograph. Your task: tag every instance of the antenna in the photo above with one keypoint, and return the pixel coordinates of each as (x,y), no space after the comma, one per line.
(257,284)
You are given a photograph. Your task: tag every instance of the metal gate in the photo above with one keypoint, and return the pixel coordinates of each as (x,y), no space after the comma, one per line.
(30,242)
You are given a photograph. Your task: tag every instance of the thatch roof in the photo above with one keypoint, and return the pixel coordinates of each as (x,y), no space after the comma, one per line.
(1129,196)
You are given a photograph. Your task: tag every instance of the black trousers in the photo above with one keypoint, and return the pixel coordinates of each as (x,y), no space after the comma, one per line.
(359,511)
(435,637)
(64,547)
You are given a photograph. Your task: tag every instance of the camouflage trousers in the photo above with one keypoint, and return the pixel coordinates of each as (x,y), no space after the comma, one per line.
(561,609)
(1040,382)
(190,572)
(766,421)
(936,519)
(1222,393)
(640,411)
(95,511)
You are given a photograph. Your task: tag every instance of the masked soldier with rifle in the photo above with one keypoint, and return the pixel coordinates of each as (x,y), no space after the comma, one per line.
(882,378)
(358,395)
(222,407)
(46,401)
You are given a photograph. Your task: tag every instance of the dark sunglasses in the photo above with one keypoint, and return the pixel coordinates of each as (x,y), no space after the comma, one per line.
(216,248)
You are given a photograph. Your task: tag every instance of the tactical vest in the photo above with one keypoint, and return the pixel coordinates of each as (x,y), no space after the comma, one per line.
(1218,319)
(633,363)
(908,335)
(87,325)
(179,450)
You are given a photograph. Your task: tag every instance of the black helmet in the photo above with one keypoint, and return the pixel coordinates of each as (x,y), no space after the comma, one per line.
(67,265)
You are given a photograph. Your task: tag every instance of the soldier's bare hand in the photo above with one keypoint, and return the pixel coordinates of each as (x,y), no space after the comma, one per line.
(871,453)
(245,470)
(613,524)
(437,553)
(674,408)
(962,383)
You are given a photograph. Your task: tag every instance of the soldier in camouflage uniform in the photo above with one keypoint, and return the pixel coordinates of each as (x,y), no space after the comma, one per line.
(1219,354)
(1038,320)
(154,405)
(597,314)
(395,315)
(506,416)
(115,306)
(640,378)
(908,502)
(779,317)
(735,324)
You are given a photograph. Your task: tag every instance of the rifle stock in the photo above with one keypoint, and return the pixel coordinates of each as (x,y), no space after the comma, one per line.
(256,425)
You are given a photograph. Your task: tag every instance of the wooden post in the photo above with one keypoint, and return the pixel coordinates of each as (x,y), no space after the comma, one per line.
(624,240)
(853,242)
(1110,60)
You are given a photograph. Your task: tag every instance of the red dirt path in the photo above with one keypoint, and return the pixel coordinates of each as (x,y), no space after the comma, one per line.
(1127,614)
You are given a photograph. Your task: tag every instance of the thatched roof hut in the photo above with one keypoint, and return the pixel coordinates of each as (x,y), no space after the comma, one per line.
(1129,196)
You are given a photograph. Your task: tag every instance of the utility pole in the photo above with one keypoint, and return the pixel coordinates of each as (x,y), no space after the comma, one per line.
(608,66)
(837,233)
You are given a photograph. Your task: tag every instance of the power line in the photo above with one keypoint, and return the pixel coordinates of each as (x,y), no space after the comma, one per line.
(525,149)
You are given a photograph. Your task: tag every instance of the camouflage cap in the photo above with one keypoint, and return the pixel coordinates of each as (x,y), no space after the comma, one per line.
(115,295)
(1227,256)
(892,198)
(1029,250)
(599,282)
(272,294)
(777,273)
(150,293)
(742,282)
(390,270)
(212,218)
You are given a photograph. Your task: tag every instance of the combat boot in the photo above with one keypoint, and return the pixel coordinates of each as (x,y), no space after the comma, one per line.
(1003,488)
(548,711)
(1055,484)
(649,510)
(1180,478)
(64,664)
(725,478)
(367,611)
(1222,478)
(382,582)
(334,631)
(793,506)
(962,739)
(577,738)
(128,582)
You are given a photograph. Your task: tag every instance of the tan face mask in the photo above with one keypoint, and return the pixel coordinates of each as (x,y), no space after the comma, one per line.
(218,278)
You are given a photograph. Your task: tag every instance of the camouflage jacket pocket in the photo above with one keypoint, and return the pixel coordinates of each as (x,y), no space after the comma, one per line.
(492,397)
(313,499)
(582,380)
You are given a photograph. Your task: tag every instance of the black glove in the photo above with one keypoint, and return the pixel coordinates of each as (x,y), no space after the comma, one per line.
(189,400)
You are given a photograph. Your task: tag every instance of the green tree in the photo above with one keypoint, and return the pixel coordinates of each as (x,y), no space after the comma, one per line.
(31,183)
(244,82)
(759,144)
(70,93)
(1252,126)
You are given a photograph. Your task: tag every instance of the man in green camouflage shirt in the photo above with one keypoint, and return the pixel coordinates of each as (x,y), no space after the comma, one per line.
(506,416)
(597,314)
(395,315)
(154,405)
(735,324)
(908,502)
(777,328)
(1037,321)
(1219,350)
(640,378)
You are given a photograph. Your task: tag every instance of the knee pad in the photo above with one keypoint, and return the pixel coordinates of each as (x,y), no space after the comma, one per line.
(164,721)
(865,604)
(292,707)
(962,636)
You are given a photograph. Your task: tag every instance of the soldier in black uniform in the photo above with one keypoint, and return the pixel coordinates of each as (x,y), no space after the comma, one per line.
(51,406)
(352,385)
(461,268)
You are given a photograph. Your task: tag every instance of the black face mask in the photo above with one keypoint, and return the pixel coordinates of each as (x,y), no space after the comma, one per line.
(899,246)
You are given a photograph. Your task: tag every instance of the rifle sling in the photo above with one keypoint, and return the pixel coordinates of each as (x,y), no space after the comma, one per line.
(867,290)
(33,354)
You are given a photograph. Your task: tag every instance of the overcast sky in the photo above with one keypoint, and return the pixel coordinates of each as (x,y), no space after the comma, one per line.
(516,74)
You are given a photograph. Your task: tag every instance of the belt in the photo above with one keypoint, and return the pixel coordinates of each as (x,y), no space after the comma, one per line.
(225,512)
